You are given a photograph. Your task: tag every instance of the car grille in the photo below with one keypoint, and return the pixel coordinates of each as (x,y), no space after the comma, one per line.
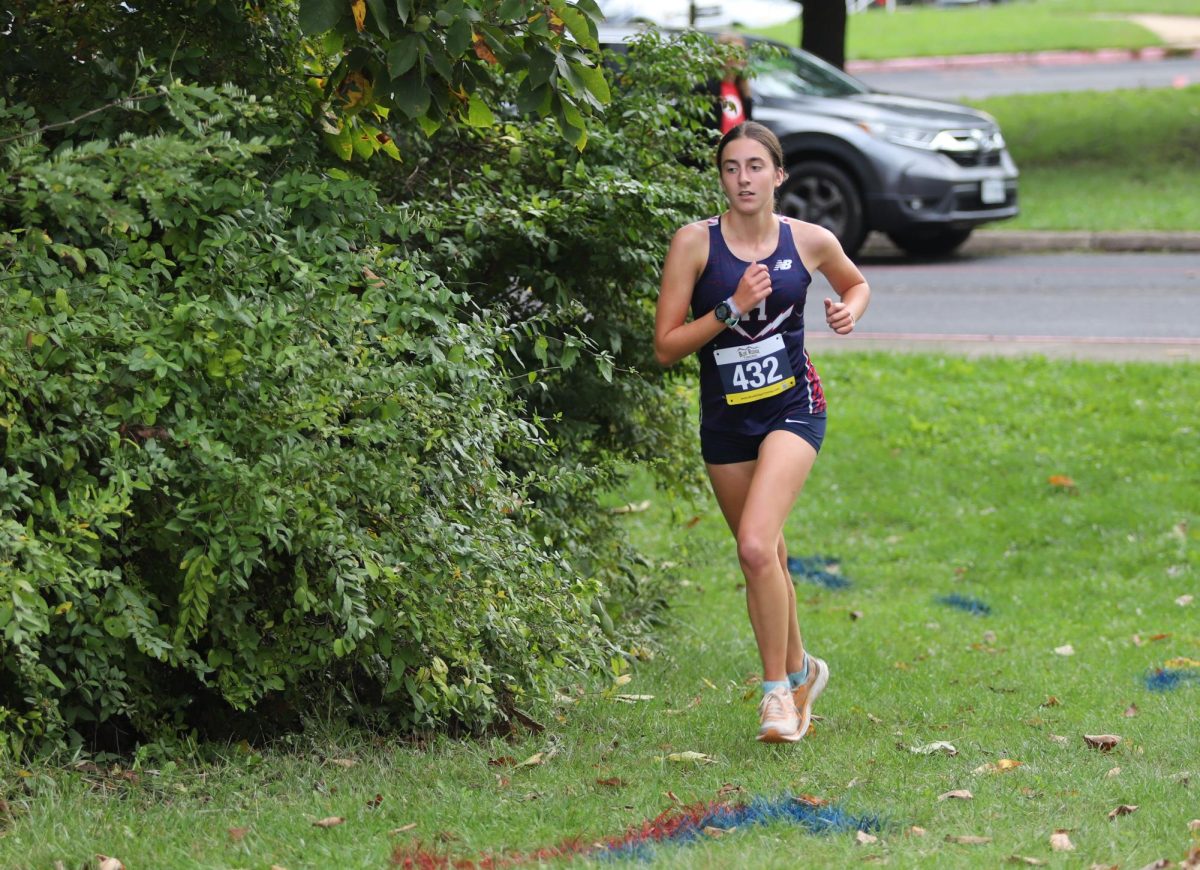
(974,158)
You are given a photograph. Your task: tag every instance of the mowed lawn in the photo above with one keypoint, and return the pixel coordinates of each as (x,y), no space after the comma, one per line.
(1062,496)
(982,28)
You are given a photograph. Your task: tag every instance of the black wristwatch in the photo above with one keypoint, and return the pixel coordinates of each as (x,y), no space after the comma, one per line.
(726,313)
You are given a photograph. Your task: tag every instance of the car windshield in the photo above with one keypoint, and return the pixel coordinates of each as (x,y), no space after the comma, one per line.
(792,74)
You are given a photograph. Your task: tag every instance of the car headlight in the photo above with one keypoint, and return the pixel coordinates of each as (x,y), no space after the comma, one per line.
(975,139)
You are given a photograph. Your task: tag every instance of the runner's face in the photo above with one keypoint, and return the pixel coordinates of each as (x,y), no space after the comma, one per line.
(748,176)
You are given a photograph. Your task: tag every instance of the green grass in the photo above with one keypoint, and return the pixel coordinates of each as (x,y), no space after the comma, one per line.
(1016,26)
(935,479)
(1119,160)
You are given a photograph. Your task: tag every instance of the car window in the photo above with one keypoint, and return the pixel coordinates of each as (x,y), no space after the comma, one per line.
(793,74)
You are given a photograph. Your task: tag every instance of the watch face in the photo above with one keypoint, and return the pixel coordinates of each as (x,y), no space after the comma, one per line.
(722,311)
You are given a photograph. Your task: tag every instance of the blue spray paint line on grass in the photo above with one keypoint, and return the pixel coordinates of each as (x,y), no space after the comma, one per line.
(970,605)
(819,570)
(1170,679)
(688,824)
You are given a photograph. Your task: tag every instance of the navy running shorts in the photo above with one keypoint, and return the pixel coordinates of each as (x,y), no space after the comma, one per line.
(723,448)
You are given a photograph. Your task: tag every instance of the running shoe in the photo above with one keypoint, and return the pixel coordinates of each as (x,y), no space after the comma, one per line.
(779,722)
(804,695)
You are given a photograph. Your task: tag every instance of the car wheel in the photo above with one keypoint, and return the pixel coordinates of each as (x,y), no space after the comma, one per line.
(929,241)
(822,194)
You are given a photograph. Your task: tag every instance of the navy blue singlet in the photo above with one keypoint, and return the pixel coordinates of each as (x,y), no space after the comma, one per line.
(757,372)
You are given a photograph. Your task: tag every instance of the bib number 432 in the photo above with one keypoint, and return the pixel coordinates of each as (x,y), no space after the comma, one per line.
(751,372)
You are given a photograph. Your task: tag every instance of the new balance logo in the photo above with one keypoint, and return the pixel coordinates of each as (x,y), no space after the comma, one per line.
(782,265)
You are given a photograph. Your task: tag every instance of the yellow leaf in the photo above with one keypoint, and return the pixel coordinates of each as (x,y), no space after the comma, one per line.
(1060,842)
(690,757)
(328,822)
(533,760)
(359,8)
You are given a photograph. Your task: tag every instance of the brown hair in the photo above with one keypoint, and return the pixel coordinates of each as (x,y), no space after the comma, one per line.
(757,132)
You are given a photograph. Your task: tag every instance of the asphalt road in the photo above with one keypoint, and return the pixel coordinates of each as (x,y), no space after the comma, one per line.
(954,83)
(1082,305)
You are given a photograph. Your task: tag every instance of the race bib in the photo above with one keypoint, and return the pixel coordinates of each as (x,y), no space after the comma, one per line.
(750,372)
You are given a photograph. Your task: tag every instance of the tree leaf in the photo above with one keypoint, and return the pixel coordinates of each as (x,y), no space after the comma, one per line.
(478,113)
(380,17)
(317,16)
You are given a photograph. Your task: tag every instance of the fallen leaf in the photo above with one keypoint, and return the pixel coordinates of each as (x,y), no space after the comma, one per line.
(865,839)
(374,802)
(871,717)
(1194,825)
(1160,636)
(714,831)
(1103,742)
(917,831)
(1051,701)
(107,863)
(709,683)
(533,760)
(959,793)
(1181,662)
(989,637)
(622,680)
(1137,640)
(343,762)
(502,761)
(238,834)
(931,748)
(1004,764)
(1130,711)
(810,800)
(1065,650)
(1059,739)
(1060,842)
(1185,600)
(632,699)
(693,521)
(968,840)
(689,756)
(611,782)
(1021,859)
(728,789)
(1061,481)
(403,828)
(1123,810)
(328,822)
(856,615)
(1116,771)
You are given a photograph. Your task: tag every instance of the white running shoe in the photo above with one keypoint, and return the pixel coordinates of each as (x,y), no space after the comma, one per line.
(779,721)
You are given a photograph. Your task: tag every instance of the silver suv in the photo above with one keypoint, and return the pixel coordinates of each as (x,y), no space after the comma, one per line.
(922,171)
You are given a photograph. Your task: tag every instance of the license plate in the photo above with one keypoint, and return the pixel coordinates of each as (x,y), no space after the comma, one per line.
(991,191)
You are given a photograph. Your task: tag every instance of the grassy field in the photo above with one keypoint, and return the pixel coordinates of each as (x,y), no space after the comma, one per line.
(1118,160)
(1014,26)
(1061,495)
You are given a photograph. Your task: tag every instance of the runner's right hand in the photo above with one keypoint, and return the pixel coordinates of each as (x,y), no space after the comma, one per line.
(754,287)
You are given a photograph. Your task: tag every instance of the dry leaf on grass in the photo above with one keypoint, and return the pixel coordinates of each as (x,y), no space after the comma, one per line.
(690,757)
(1051,701)
(917,831)
(611,782)
(1061,481)
(1123,810)
(533,760)
(1116,771)
(865,839)
(403,828)
(104,862)
(968,840)
(931,748)
(1004,764)
(1130,711)
(622,679)
(343,762)
(1103,742)
(1185,600)
(328,822)
(1059,739)
(728,789)
(958,793)
(1021,859)
(810,800)
(373,803)
(238,834)
(633,507)
(1060,842)
(714,831)
(632,699)
(1194,825)
(1065,650)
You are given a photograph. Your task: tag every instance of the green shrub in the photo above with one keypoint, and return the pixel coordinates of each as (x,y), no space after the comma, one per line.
(253,455)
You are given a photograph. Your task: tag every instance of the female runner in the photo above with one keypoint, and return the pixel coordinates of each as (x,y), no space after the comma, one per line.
(745,277)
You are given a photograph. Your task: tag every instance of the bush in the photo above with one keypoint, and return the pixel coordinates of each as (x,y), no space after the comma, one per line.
(254,456)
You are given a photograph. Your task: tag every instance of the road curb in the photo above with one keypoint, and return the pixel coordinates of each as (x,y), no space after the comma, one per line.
(1037,241)
(1023,58)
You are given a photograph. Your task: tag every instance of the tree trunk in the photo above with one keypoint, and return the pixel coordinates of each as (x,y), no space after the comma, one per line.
(823,30)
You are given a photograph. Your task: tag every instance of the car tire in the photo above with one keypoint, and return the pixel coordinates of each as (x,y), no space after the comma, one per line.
(822,194)
(929,241)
